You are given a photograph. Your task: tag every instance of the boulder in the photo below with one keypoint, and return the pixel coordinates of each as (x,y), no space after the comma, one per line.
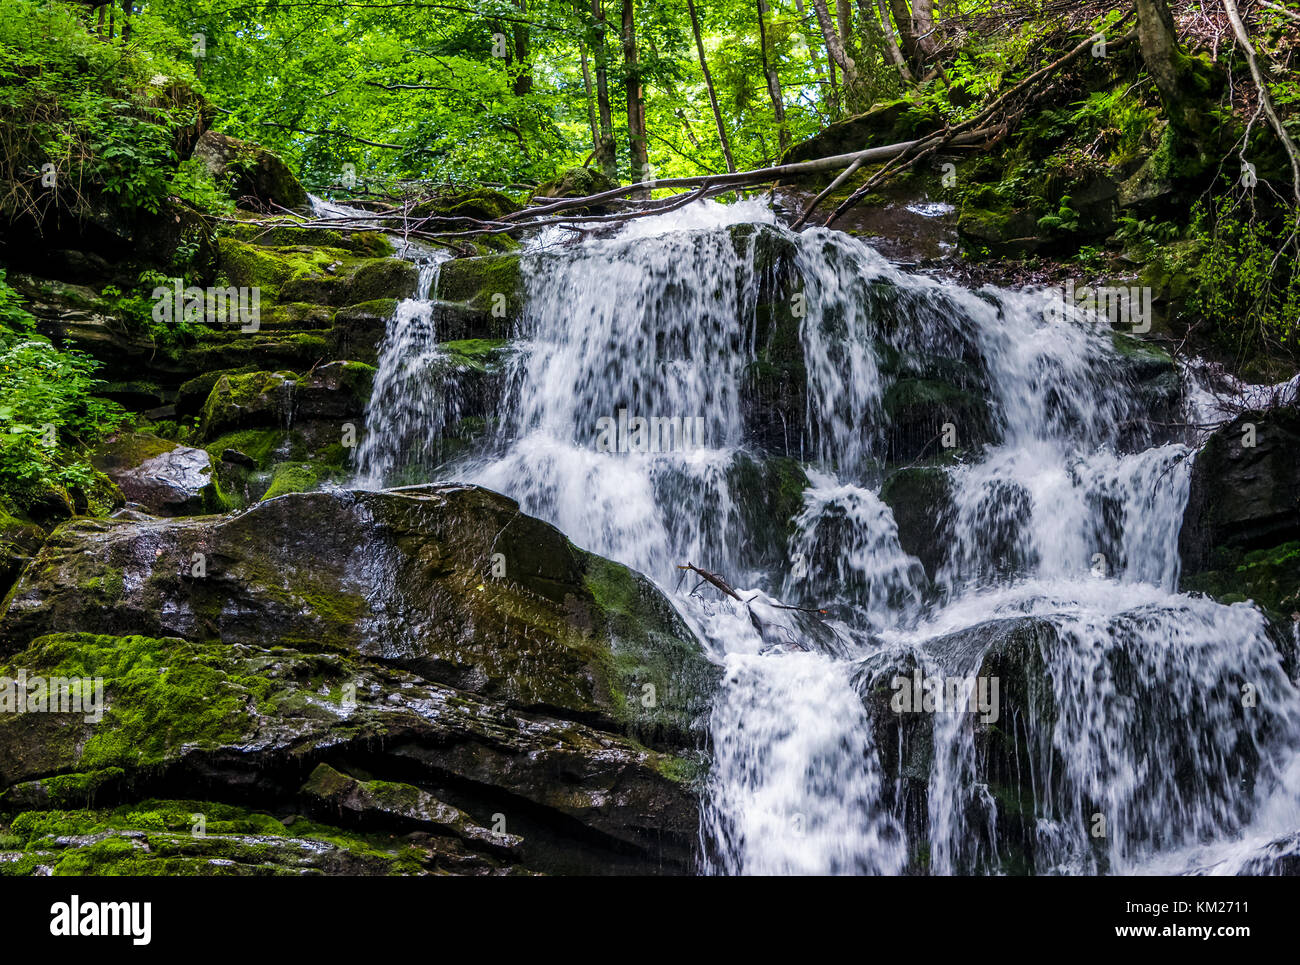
(920,498)
(577,182)
(251,173)
(19,541)
(161,476)
(433,638)
(1245,491)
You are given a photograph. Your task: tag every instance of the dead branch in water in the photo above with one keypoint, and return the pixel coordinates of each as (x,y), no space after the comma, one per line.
(726,589)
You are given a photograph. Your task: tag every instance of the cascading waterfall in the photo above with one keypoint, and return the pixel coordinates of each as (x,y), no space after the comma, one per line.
(1117,740)
(413,397)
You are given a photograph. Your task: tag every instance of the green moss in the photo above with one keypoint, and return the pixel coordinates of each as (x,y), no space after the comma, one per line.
(659,681)
(234,398)
(292,477)
(258,444)
(130,449)
(161,837)
(1269,577)
(477,280)
(482,204)
(161,694)
(479,354)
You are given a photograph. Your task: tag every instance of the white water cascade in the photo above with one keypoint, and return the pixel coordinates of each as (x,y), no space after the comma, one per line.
(1118,740)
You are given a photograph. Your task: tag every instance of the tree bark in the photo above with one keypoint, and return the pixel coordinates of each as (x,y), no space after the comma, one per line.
(1163,58)
(773,79)
(887,34)
(923,26)
(907,33)
(606,148)
(592,123)
(522,82)
(839,56)
(637,149)
(832,96)
(708,84)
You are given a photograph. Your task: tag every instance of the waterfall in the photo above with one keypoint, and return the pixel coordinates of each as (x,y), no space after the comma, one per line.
(413,398)
(1090,718)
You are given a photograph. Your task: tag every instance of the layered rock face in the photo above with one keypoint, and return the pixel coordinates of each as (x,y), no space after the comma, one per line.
(446,683)
(1240,537)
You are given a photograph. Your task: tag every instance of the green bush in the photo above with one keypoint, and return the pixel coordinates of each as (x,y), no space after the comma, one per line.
(49,416)
(105,115)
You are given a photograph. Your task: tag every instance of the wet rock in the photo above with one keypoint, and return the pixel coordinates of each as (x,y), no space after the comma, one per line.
(389,804)
(480,297)
(19,541)
(920,498)
(1244,497)
(334,392)
(561,632)
(251,722)
(359,329)
(204,837)
(161,476)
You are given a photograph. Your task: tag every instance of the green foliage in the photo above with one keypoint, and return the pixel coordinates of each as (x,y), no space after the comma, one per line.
(1248,280)
(48,414)
(106,116)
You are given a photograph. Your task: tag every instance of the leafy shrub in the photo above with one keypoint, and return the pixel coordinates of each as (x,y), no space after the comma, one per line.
(48,413)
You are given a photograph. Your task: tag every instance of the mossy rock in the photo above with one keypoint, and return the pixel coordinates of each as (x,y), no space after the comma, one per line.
(768,492)
(576,182)
(335,393)
(315,275)
(557,632)
(359,329)
(242,401)
(287,233)
(249,171)
(1268,577)
(887,123)
(210,838)
(920,498)
(918,410)
(19,541)
(292,477)
(481,204)
(258,716)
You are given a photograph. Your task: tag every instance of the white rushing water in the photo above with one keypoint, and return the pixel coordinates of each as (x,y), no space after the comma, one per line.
(1120,741)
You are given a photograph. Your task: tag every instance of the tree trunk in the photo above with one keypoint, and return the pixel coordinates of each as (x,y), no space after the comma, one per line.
(923,26)
(606,149)
(839,56)
(907,33)
(887,34)
(708,83)
(592,123)
(832,97)
(126,20)
(637,149)
(1163,58)
(522,82)
(773,78)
